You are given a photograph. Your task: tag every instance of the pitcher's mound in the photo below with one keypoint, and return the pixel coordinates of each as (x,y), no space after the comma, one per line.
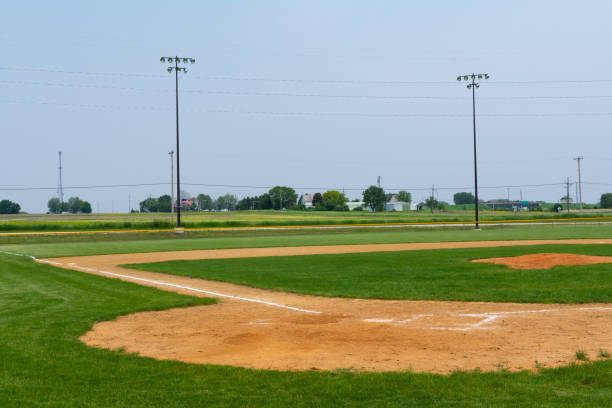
(546,261)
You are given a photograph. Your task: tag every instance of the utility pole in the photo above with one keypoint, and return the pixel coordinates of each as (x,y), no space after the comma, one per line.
(177,69)
(60,187)
(432,198)
(579,181)
(567,197)
(473,85)
(129,203)
(171,153)
(378,182)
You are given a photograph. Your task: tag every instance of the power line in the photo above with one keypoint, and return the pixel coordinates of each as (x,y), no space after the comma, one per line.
(270,186)
(305,113)
(301,80)
(303,95)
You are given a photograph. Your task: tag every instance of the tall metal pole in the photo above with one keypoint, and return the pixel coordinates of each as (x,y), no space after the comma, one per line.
(176,69)
(178,154)
(473,85)
(579,181)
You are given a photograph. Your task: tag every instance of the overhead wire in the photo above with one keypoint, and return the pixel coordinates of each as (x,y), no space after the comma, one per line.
(293,94)
(259,187)
(303,80)
(305,113)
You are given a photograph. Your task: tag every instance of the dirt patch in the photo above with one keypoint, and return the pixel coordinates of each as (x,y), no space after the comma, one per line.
(264,329)
(546,261)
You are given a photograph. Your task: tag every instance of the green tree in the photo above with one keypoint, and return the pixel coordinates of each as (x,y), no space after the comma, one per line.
(464,198)
(148,205)
(282,197)
(333,200)
(205,202)
(404,196)
(55,206)
(86,208)
(9,207)
(317,198)
(606,200)
(74,205)
(264,203)
(375,198)
(226,202)
(434,204)
(164,203)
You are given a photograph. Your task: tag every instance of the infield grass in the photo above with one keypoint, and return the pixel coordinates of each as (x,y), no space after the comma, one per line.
(446,274)
(43,311)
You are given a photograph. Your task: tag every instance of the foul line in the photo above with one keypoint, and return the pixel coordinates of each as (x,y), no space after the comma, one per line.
(155,282)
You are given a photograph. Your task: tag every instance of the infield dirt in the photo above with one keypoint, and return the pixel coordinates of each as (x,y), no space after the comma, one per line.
(296,332)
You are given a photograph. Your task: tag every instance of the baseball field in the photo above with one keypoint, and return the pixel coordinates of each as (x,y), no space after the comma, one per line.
(513,316)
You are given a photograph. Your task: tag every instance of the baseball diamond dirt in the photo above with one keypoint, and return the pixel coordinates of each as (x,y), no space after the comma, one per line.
(265,329)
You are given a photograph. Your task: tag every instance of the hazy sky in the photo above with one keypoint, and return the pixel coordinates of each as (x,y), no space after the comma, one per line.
(311,94)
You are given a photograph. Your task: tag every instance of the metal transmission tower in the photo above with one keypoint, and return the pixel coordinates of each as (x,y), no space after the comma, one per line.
(60,187)
(473,85)
(579,181)
(177,69)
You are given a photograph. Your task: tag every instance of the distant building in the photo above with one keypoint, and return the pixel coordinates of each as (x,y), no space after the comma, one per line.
(308,200)
(354,204)
(394,205)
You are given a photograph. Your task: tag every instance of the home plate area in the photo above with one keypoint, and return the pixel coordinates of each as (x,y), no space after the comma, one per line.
(262,329)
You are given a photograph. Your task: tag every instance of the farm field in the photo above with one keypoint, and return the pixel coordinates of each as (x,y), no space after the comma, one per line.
(267,218)
(47,309)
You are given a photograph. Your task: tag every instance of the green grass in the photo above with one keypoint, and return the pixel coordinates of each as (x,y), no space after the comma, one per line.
(428,275)
(109,244)
(82,222)
(43,311)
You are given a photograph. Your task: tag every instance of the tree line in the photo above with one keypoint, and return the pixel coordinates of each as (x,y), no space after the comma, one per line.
(74,205)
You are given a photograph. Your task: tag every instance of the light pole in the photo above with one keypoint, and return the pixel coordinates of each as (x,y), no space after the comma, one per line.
(177,69)
(473,85)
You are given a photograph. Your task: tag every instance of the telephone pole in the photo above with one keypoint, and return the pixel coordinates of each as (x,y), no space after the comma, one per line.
(579,181)
(432,198)
(473,85)
(60,187)
(567,197)
(177,69)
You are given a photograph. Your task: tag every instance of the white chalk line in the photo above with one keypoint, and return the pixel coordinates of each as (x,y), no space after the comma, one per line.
(487,317)
(161,283)
(17,254)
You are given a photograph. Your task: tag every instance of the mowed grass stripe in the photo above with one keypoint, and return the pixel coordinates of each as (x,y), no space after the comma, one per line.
(114,244)
(45,310)
(445,274)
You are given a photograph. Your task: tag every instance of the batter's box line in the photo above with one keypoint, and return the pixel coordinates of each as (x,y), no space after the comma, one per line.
(487,317)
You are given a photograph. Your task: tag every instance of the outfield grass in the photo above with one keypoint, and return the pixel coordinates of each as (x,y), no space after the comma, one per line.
(43,311)
(445,274)
(42,247)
